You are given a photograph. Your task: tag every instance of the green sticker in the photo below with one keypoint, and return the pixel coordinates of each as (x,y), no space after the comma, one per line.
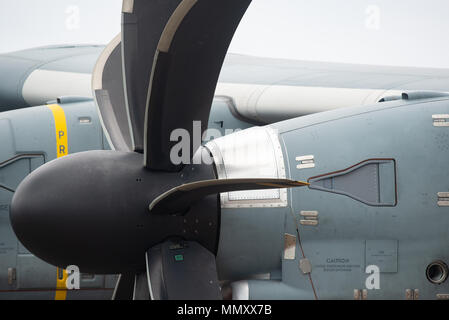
(179,257)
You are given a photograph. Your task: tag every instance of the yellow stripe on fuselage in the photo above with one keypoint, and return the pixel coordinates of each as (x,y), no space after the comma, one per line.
(61,287)
(62,149)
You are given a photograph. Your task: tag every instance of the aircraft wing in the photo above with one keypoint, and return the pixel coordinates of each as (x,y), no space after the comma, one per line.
(33,77)
(265,90)
(262,90)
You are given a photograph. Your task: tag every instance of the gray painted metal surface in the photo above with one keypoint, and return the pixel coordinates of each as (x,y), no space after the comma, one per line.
(348,234)
(351,234)
(263,90)
(16,67)
(402,240)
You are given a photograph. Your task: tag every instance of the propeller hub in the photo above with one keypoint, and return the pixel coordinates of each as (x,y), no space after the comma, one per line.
(90,209)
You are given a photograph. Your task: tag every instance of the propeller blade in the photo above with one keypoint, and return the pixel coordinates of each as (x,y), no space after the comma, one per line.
(143,22)
(107,84)
(182,197)
(141,287)
(186,67)
(182,270)
(124,287)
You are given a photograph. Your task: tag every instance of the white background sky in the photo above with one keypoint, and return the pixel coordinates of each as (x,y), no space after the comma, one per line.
(389,32)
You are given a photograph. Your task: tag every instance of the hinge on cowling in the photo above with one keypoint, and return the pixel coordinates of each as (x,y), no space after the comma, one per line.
(440,120)
(305,162)
(305,266)
(11,276)
(309,218)
(360,294)
(289,247)
(443,199)
(411,294)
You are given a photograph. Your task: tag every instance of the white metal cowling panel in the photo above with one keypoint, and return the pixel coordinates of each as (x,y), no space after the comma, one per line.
(251,153)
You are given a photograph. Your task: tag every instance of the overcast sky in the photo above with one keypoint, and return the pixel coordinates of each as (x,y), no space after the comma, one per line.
(389,32)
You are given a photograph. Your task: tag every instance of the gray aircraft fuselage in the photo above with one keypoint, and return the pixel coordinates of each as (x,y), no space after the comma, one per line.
(378,194)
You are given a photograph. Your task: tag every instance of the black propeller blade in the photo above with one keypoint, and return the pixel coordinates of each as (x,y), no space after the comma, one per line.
(143,22)
(124,288)
(182,270)
(107,86)
(141,287)
(186,67)
(180,198)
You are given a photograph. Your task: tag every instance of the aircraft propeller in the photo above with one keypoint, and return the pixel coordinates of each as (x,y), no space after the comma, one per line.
(132,211)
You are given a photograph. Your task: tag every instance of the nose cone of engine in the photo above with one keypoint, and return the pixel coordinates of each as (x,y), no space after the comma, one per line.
(56,215)
(33,216)
(87,209)
(90,209)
